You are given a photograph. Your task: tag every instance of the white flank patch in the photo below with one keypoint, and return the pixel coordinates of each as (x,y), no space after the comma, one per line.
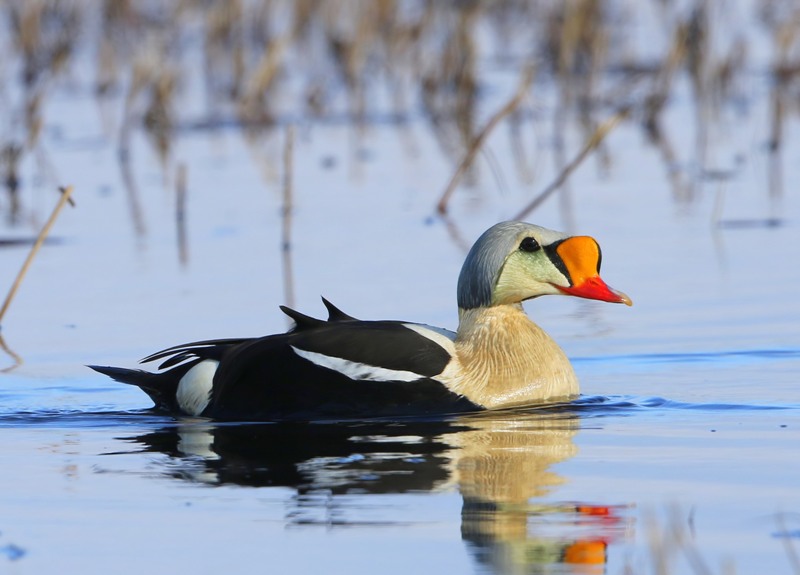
(194,388)
(355,370)
(437,335)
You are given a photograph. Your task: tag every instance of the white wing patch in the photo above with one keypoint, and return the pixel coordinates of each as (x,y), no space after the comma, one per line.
(355,370)
(194,388)
(439,336)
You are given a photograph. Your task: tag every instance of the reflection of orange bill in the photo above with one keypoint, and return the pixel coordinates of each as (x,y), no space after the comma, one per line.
(596,510)
(586,553)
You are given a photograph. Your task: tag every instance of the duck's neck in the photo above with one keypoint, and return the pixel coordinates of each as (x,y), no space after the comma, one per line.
(505,359)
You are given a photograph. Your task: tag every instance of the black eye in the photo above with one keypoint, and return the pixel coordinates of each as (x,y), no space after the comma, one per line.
(529,245)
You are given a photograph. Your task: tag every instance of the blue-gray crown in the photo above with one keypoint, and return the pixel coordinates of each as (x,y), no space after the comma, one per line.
(485,260)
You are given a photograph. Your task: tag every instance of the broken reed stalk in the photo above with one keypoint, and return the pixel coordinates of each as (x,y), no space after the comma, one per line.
(594,140)
(286,224)
(477,142)
(66,192)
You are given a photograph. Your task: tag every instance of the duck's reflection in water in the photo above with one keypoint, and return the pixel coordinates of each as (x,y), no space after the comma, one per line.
(501,464)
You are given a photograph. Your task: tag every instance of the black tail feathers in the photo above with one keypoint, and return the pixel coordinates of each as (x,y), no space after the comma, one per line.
(161,387)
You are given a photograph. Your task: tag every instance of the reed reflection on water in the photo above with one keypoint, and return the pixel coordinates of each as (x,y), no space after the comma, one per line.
(501,464)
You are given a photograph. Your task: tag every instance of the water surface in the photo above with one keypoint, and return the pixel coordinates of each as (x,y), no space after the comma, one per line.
(681,455)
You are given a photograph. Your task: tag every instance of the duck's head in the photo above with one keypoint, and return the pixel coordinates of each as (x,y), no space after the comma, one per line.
(515,261)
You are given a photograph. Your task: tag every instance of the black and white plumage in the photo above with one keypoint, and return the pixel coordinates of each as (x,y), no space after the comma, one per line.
(343,367)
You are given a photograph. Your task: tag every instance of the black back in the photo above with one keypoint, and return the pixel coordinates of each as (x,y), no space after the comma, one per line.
(264,379)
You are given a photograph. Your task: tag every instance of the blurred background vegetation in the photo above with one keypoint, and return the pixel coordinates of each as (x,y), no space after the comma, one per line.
(166,67)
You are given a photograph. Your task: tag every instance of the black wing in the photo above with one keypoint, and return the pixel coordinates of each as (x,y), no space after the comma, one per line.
(267,378)
(384,344)
(208,349)
(339,368)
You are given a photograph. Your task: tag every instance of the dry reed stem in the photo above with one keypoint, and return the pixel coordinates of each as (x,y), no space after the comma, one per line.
(783,71)
(791,552)
(139,76)
(683,540)
(66,192)
(17,359)
(254,102)
(525,81)
(129,182)
(594,140)
(180,214)
(286,223)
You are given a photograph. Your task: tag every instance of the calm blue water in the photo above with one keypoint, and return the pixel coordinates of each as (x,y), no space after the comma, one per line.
(544,489)
(681,457)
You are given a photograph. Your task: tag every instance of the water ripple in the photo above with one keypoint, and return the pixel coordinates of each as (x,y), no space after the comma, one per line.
(610,405)
(584,407)
(54,418)
(731,356)
(12,552)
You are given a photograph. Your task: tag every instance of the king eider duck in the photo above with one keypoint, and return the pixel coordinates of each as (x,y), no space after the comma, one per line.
(343,368)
